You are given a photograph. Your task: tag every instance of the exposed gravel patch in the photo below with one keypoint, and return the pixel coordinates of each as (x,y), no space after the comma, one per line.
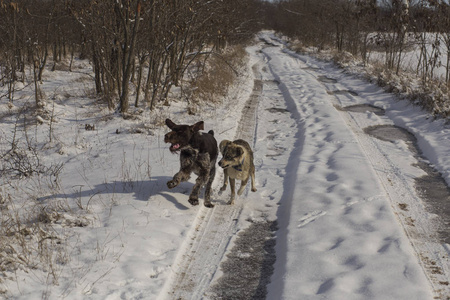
(249,264)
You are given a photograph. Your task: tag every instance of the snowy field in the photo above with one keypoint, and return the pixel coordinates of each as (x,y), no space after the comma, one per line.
(350,223)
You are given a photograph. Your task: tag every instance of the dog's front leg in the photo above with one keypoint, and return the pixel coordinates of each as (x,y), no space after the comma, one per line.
(242,187)
(177,178)
(186,167)
(253,181)
(225,182)
(212,174)
(233,190)
(199,182)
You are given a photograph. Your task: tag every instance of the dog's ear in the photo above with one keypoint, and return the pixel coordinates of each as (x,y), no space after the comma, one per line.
(239,150)
(223,144)
(198,126)
(170,124)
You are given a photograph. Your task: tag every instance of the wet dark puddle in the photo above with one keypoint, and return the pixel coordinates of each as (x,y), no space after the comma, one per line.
(273,81)
(362,108)
(277,110)
(326,79)
(432,187)
(391,133)
(342,92)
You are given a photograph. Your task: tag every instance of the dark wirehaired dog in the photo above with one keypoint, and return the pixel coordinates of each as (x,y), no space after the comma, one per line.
(198,154)
(237,163)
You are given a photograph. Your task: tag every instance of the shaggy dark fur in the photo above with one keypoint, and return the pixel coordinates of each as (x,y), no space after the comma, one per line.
(198,154)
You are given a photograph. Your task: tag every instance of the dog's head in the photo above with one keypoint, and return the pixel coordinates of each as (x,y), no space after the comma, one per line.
(232,153)
(180,135)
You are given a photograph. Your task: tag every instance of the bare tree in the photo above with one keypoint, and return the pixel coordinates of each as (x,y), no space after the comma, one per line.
(129,15)
(442,9)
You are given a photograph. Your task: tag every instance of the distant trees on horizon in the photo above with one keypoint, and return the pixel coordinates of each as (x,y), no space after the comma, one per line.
(356,25)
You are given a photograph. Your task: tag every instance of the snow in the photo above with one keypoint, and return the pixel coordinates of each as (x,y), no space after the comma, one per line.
(336,214)
(334,191)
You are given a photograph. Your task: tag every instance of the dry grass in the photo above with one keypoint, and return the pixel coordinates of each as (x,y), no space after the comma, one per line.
(432,95)
(28,239)
(298,46)
(211,83)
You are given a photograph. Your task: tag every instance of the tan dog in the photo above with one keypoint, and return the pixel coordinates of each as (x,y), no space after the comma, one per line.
(237,163)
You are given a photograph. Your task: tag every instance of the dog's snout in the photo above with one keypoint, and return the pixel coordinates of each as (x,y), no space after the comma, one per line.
(221,163)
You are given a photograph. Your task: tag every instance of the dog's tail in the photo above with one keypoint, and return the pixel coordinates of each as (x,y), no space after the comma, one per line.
(211,132)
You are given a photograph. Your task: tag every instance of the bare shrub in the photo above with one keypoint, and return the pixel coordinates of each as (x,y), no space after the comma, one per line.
(343,58)
(298,46)
(434,96)
(24,162)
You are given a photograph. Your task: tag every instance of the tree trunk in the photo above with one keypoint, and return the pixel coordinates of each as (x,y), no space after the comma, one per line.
(128,55)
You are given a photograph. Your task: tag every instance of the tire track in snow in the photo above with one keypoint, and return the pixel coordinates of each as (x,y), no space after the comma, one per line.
(329,146)
(207,241)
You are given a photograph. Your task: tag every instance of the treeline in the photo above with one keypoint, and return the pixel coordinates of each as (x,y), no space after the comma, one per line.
(359,26)
(148,43)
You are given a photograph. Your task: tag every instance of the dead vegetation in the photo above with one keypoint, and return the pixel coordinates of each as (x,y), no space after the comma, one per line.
(209,83)
(30,238)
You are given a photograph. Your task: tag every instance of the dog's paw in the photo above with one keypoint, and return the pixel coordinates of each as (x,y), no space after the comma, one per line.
(193,201)
(171,184)
(254,189)
(231,202)
(209,204)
